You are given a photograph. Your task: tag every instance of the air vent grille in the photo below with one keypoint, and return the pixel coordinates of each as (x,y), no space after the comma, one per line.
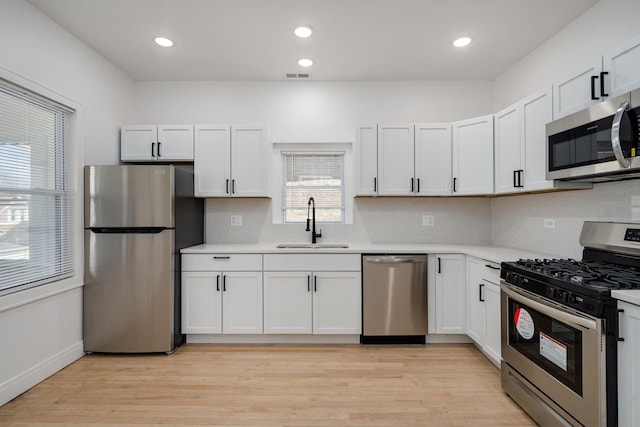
(297,75)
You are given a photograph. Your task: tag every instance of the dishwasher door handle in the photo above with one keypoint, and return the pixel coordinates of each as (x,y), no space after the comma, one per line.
(393,259)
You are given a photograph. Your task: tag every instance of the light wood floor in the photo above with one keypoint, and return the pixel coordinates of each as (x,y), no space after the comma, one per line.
(275,385)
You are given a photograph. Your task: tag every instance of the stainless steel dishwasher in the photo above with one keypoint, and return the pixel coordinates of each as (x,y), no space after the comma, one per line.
(394,299)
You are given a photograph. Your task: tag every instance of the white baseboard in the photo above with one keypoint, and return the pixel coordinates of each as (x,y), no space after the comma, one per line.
(22,382)
(447,339)
(272,339)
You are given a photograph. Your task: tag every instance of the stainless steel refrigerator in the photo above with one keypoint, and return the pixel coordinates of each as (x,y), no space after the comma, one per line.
(137,218)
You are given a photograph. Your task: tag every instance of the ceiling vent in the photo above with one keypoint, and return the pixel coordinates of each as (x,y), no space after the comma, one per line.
(297,75)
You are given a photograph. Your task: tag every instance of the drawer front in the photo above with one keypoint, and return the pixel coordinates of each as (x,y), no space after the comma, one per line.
(312,262)
(491,272)
(222,262)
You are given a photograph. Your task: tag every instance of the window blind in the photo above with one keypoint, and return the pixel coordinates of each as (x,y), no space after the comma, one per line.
(317,175)
(36,194)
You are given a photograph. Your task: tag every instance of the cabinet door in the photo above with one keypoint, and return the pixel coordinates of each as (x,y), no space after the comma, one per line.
(451,294)
(337,302)
(432,159)
(623,65)
(211,165)
(366,160)
(249,161)
(493,330)
(201,302)
(287,303)
(574,92)
(242,303)
(473,156)
(508,149)
(476,322)
(535,114)
(138,143)
(175,143)
(628,367)
(395,159)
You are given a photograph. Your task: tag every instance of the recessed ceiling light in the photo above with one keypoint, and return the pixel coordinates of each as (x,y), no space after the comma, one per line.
(462,41)
(305,62)
(303,31)
(163,41)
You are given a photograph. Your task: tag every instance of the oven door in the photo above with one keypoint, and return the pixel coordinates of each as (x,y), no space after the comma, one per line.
(553,359)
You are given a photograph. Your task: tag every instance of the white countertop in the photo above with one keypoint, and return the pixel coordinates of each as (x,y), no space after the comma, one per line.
(631,296)
(489,253)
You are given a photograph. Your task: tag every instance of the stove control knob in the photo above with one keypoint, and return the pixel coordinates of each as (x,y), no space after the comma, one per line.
(571,298)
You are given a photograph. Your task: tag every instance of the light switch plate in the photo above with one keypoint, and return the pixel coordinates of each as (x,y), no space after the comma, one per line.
(236,220)
(427,220)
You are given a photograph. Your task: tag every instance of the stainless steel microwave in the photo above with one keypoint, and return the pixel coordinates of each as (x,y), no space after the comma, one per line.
(601,143)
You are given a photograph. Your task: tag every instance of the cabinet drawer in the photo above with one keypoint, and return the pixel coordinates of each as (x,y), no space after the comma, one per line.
(222,262)
(491,272)
(312,262)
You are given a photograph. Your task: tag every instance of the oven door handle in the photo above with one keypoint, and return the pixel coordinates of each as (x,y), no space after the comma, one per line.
(615,135)
(560,315)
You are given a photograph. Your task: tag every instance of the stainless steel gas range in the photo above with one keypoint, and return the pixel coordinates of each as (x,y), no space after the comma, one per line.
(560,328)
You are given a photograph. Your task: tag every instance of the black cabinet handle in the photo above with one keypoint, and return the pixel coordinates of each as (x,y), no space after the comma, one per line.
(492,267)
(439,266)
(226,187)
(375,184)
(593,88)
(315,283)
(620,339)
(153,152)
(218,283)
(224,283)
(418,185)
(515,179)
(308,283)
(521,178)
(412,185)
(480,286)
(159,146)
(454,184)
(233,186)
(221,257)
(602,74)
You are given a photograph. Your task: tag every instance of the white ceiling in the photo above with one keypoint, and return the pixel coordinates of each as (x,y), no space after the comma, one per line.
(353,39)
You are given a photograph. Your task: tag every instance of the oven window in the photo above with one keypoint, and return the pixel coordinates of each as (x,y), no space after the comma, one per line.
(547,342)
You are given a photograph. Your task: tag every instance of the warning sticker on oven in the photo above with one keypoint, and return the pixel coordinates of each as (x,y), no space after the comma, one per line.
(524,323)
(553,351)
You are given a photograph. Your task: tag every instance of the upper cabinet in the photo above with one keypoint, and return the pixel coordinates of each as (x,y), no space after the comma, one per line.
(152,143)
(231,161)
(473,156)
(609,75)
(403,159)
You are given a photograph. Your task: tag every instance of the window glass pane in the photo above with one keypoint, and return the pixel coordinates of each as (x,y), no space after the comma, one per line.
(35,200)
(317,175)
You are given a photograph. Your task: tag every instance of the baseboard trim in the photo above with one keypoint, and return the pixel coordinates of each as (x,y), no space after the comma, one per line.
(22,382)
(271,339)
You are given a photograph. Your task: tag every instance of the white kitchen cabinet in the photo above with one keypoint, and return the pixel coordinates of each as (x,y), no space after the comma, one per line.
(576,91)
(366,160)
(473,156)
(623,65)
(152,143)
(231,161)
(628,367)
(222,301)
(447,279)
(395,159)
(520,141)
(483,300)
(309,299)
(432,159)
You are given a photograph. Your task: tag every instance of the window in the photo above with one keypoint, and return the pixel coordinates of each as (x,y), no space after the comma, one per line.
(36,198)
(317,175)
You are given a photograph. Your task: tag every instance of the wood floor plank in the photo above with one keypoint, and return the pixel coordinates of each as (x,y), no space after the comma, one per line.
(274,385)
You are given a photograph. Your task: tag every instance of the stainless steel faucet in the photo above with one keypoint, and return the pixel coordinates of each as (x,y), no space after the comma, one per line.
(314,235)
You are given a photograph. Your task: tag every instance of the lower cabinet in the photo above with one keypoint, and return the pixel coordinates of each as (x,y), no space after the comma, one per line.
(483,299)
(628,367)
(447,281)
(319,302)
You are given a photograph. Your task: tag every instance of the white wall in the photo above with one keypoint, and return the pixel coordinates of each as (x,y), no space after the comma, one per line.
(518,221)
(41,328)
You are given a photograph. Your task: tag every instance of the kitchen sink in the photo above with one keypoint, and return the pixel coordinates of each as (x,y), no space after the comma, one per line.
(312,245)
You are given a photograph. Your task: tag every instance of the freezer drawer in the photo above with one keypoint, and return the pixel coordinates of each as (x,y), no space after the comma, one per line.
(129,292)
(395,295)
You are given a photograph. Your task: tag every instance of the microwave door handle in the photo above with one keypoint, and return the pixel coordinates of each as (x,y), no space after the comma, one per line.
(562,316)
(615,135)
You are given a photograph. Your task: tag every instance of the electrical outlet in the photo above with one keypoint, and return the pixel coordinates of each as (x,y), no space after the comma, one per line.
(427,220)
(549,223)
(236,220)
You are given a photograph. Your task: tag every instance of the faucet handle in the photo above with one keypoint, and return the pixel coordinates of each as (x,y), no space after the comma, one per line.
(308,229)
